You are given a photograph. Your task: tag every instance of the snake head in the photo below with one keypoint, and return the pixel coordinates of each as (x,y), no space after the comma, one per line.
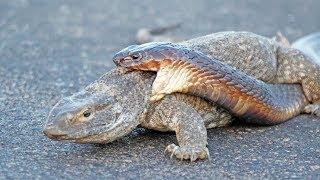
(143,57)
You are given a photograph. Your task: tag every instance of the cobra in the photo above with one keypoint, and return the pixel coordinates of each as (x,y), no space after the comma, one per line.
(180,69)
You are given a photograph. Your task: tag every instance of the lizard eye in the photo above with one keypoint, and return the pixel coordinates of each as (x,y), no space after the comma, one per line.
(86,113)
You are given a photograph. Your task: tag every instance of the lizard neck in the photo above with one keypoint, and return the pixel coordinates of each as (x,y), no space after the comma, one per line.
(135,92)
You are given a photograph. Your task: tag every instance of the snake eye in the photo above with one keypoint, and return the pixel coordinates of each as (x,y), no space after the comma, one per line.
(135,56)
(86,113)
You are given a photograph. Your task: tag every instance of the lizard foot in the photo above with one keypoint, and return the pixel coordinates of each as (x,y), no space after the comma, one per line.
(313,109)
(192,153)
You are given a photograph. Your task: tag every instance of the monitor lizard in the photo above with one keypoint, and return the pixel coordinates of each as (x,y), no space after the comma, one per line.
(118,102)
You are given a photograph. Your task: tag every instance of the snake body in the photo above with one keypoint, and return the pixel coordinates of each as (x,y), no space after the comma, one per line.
(181,69)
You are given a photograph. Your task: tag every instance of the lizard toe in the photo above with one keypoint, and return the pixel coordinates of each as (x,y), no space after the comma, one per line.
(313,109)
(188,153)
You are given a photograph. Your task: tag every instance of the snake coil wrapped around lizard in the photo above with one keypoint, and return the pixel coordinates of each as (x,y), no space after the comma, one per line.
(181,69)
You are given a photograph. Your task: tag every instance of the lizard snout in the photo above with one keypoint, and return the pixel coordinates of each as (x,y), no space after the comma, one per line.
(53,132)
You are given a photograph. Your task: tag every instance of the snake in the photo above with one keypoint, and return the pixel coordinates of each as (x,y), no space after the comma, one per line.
(184,70)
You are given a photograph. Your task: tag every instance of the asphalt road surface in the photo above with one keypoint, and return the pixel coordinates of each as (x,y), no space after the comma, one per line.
(50,49)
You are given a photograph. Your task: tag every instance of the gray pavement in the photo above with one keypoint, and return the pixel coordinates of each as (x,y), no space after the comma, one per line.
(50,49)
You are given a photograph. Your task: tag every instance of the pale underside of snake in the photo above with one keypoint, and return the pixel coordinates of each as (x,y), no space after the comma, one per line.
(180,69)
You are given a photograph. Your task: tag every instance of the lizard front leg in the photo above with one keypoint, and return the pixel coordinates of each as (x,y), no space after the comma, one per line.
(191,134)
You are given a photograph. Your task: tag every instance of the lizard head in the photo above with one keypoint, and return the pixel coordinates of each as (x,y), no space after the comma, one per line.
(106,110)
(82,116)
(146,56)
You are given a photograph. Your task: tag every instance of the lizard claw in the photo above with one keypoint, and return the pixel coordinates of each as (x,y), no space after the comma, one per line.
(171,155)
(193,157)
(208,155)
(186,152)
(172,148)
(166,149)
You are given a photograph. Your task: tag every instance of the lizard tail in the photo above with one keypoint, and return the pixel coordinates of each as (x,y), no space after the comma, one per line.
(310,45)
(164,29)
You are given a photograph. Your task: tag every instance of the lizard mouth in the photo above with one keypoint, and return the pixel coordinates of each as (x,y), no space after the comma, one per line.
(65,137)
(105,137)
(56,137)
(54,133)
